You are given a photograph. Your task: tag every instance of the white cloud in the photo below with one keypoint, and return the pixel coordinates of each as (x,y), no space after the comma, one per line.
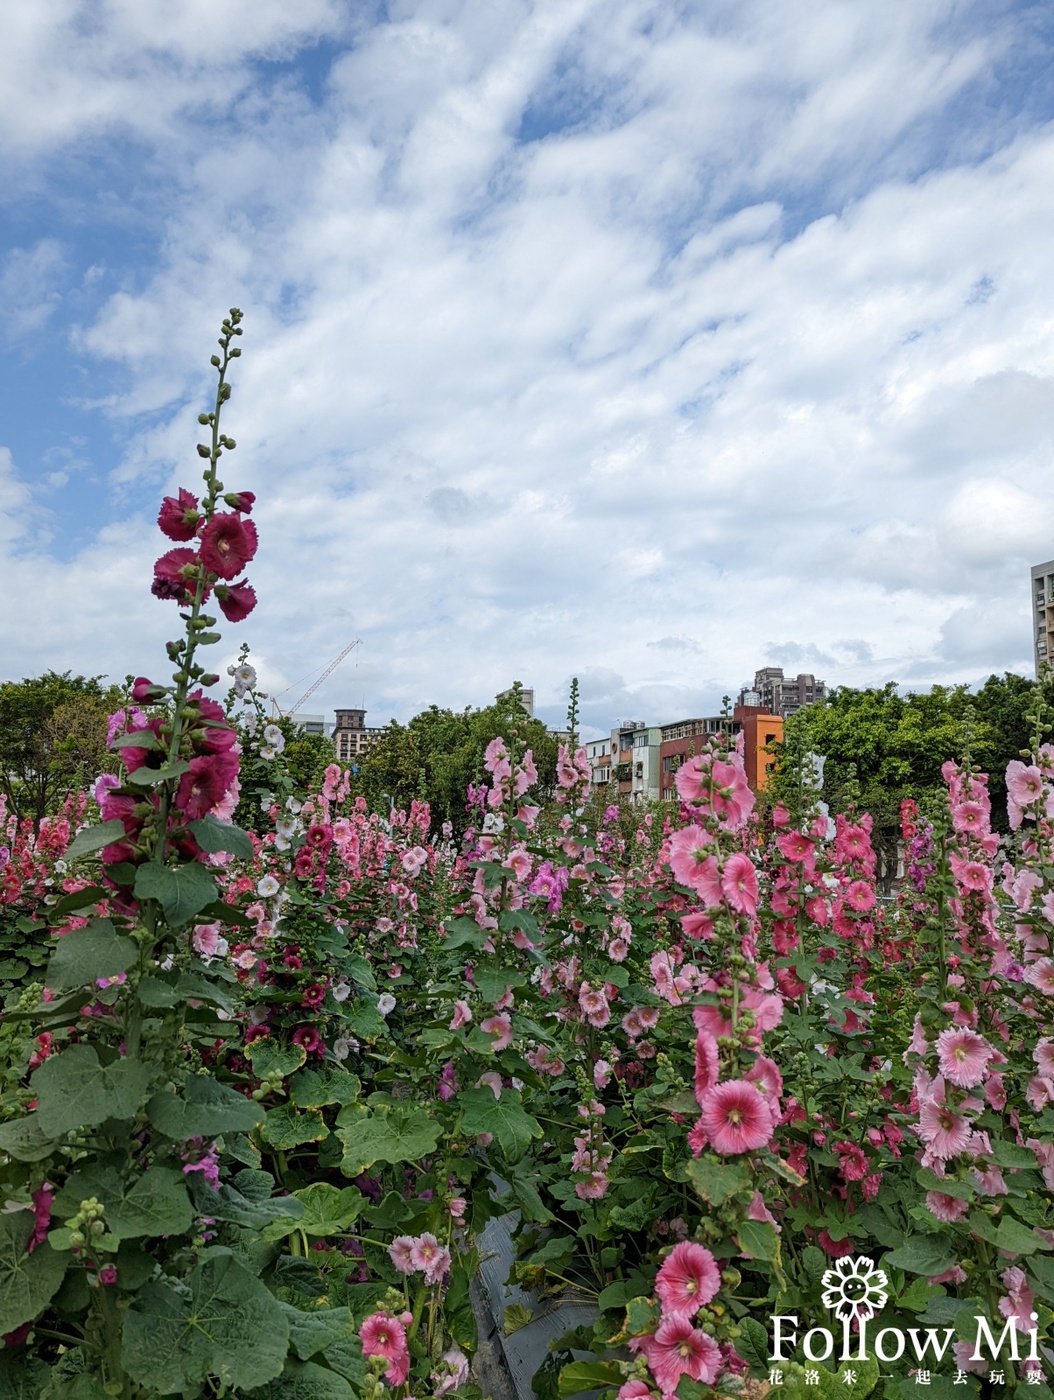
(753,345)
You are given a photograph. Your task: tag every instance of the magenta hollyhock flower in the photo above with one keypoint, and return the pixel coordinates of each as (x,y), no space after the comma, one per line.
(687,1281)
(739,884)
(963,1056)
(308,1037)
(944,1132)
(852,1160)
(170,580)
(236,601)
(384,1335)
(241,500)
(736,1117)
(107,1276)
(228,543)
(677,1349)
(179,516)
(205,784)
(860,896)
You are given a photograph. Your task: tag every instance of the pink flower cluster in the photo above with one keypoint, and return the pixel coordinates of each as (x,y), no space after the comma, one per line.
(420,1254)
(383,1335)
(688,1280)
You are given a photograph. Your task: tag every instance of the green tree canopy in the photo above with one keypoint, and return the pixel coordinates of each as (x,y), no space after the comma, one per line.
(435,756)
(52,738)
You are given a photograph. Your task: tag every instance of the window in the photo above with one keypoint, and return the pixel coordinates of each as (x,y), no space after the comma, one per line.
(639,770)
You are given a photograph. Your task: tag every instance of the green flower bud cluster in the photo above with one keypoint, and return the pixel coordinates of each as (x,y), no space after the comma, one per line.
(87,1224)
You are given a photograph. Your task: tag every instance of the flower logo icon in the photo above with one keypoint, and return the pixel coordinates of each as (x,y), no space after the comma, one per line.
(854,1289)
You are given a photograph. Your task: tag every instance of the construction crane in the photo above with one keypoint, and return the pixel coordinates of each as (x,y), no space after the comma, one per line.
(288,714)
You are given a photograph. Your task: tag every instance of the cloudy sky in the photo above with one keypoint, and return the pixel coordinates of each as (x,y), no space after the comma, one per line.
(650,341)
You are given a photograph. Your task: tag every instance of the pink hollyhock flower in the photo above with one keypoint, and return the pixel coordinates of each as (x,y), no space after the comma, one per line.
(780,816)
(594,1005)
(431,1257)
(692,780)
(236,600)
(852,1160)
(1040,975)
(736,1117)
(1039,1092)
(170,580)
(795,846)
(413,860)
(677,1349)
(1045,1156)
(963,1056)
(634,1390)
(42,1199)
(693,863)
(970,816)
(706,1064)
(766,1075)
(971,874)
(834,1249)
(860,896)
(400,1251)
(205,784)
(698,925)
(228,543)
(179,516)
(944,1132)
(107,1276)
(687,1281)
(384,1335)
(963,1353)
(595,1189)
(462,1015)
(1043,1055)
(947,1209)
(1024,784)
(207,940)
(499,1026)
(1020,1304)
(739,883)
(758,1210)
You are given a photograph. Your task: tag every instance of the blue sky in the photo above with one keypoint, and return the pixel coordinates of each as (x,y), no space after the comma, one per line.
(648,342)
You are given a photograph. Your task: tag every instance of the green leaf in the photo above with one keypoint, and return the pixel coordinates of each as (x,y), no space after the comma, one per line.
(922,1254)
(270,1058)
(206,1109)
(930,1181)
(310,1333)
(1010,1235)
(356,966)
(388,1137)
(214,836)
(286,1127)
(28,1282)
(716,1181)
(579,1376)
(306,1380)
(22,1377)
(315,1088)
(642,1315)
(75,1091)
(79,899)
(84,954)
(757,1239)
(93,838)
(228,1203)
(504,1117)
(23,1139)
(327,1209)
(223,1324)
(753,1343)
(151,777)
(492,981)
(464,933)
(181,890)
(362,1018)
(174,989)
(1008,1154)
(156,1203)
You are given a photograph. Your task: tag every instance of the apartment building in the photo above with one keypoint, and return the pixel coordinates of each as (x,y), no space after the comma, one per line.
(351,736)
(777,694)
(1043,614)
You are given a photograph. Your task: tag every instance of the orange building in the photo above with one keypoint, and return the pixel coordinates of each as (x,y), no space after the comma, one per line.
(759,731)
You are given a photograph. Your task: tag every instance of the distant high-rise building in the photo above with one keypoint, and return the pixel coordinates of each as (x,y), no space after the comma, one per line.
(351,737)
(1042,613)
(777,694)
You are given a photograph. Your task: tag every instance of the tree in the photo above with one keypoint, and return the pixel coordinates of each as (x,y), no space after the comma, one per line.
(52,738)
(435,756)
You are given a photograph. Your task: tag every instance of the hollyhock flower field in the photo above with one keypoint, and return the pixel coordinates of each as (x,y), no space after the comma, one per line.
(265,1087)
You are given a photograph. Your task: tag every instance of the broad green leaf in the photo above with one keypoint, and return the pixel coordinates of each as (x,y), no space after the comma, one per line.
(361,1017)
(327,1209)
(1008,1154)
(23,1139)
(181,890)
(356,966)
(138,739)
(206,1109)
(79,899)
(306,1380)
(757,1239)
(269,1058)
(465,933)
(93,838)
(580,1376)
(287,1126)
(948,1186)
(716,1181)
(492,981)
(753,1343)
(75,1091)
(315,1088)
(213,836)
(922,1254)
(164,990)
(85,954)
(310,1333)
(22,1377)
(155,1203)
(151,777)
(388,1137)
(223,1324)
(504,1117)
(1009,1235)
(28,1282)
(228,1203)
